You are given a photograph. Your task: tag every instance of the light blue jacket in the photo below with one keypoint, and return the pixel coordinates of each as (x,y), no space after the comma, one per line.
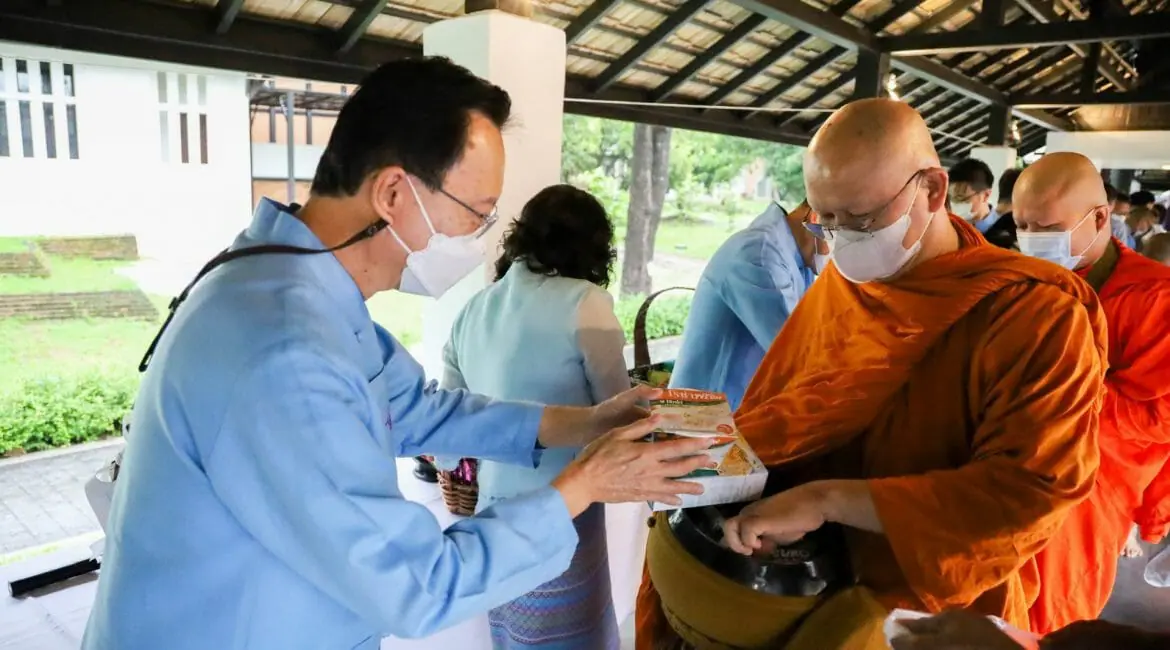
(545,339)
(744,296)
(259,507)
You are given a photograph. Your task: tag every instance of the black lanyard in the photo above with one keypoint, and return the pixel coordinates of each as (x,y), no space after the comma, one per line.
(229,255)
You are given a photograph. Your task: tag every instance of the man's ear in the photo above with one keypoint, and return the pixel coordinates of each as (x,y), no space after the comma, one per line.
(388,192)
(936,183)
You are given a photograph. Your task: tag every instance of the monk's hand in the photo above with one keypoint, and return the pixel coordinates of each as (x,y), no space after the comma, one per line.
(620,468)
(780,519)
(953,630)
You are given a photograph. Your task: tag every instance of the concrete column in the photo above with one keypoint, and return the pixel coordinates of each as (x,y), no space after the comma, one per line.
(999,159)
(527,59)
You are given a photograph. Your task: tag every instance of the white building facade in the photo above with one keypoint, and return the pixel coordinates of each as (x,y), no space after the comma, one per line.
(100,145)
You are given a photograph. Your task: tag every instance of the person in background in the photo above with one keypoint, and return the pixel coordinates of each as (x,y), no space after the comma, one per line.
(963,630)
(1157,248)
(744,296)
(1003,232)
(1144,223)
(1064,217)
(1121,204)
(259,504)
(970,193)
(1121,229)
(546,332)
(1142,199)
(934,395)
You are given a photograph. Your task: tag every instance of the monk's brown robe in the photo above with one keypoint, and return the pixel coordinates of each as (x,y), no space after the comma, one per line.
(966,393)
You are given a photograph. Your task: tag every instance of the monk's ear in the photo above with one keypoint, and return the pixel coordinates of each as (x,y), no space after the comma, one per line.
(935,183)
(1102,217)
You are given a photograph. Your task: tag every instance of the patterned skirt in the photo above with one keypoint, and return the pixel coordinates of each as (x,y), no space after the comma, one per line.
(572,612)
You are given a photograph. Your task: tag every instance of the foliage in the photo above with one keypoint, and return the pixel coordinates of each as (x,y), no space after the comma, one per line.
(55,411)
(71,274)
(666,317)
(592,144)
(610,192)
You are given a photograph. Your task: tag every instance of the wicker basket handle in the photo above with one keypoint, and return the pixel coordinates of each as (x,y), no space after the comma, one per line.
(641,343)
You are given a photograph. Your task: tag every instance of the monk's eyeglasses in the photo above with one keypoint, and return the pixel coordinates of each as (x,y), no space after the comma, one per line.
(487,219)
(864,222)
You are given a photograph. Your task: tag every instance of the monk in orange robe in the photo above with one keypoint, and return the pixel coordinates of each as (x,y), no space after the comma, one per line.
(1062,215)
(934,394)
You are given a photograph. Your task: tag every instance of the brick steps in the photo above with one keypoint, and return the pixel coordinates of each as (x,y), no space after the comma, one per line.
(63,306)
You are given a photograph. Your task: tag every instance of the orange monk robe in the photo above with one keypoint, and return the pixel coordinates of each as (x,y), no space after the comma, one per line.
(1079,566)
(966,392)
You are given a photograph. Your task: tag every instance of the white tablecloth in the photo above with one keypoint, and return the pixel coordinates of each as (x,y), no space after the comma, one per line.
(56,621)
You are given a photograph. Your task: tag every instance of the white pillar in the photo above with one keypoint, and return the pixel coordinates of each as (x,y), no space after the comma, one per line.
(999,159)
(527,59)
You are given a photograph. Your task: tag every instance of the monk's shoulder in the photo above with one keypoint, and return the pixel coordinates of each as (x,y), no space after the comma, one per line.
(1031,304)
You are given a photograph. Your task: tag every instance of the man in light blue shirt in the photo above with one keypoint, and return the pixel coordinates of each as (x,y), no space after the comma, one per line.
(1118,214)
(744,296)
(258,504)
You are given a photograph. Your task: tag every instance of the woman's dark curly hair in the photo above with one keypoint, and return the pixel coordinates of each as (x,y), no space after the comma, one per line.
(562,231)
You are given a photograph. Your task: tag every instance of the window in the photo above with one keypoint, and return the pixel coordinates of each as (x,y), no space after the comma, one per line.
(182,118)
(38,113)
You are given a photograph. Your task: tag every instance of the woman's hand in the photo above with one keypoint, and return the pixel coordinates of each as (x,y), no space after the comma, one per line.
(780,519)
(624,408)
(578,426)
(619,468)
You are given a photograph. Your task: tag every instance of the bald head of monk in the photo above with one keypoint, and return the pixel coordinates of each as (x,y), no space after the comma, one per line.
(1157,248)
(875,181)
(1061,210)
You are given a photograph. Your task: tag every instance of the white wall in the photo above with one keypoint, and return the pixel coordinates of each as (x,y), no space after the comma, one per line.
(120,182)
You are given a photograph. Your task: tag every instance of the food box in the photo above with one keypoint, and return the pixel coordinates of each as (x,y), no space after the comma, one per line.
(739,476)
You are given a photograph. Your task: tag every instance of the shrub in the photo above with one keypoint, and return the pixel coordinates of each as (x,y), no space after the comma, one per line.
(54,412)
(666,317)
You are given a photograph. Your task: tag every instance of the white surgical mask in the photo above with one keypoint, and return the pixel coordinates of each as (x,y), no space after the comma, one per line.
(963,210)
(868,256)
(820,262)
(442,263)
(1056,247)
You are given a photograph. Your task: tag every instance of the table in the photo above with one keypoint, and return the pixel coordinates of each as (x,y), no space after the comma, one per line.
(56,621)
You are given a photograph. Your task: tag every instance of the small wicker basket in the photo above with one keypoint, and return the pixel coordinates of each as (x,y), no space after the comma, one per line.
(460,488)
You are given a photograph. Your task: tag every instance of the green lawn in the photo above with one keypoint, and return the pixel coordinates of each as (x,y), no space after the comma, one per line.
(13,245)
(68,275)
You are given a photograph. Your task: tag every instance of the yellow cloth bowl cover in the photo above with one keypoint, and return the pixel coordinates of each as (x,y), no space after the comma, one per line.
(711,612)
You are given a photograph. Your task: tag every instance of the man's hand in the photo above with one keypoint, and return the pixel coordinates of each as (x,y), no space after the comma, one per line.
(953,630)
(620,468)
(568,426)
(780,519)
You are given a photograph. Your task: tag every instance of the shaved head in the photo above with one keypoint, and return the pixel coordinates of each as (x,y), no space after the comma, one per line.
(1064,192)
(870,163)
(1157,248)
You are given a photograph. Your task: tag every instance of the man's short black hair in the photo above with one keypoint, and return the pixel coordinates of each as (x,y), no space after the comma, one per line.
(1141,197)
(1110,193)
(1007,184)
(973,172)
(413,113)
(1122,198)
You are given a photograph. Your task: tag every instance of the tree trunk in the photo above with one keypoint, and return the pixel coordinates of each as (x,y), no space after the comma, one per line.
(635,271)
(659,178)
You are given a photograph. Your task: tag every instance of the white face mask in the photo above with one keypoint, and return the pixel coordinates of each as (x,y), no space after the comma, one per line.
(867,256)
(1056,247)
(820,262)
(442,263)
(963,210)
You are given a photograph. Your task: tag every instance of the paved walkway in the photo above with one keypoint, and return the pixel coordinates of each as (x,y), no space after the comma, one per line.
(42,496)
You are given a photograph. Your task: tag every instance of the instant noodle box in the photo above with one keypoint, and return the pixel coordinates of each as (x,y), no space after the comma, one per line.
(739,475)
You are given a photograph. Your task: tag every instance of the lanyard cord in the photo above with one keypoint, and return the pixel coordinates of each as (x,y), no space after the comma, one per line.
(229,255)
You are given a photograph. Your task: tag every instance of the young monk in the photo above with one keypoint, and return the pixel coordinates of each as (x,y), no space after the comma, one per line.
(1062,215)
(934,394)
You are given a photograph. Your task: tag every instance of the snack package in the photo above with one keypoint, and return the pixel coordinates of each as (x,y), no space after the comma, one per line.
(893,628)
(739,475)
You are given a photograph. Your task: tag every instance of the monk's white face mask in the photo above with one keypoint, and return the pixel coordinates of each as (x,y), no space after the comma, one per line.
(1056,247)
(442,263)
(868,256)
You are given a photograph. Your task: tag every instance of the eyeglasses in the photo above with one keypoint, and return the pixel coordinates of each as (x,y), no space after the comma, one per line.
(861,223)
(487,219)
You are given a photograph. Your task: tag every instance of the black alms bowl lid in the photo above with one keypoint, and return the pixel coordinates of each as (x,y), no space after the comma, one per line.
(815,564)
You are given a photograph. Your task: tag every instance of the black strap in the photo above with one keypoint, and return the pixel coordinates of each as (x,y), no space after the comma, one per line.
(230,255)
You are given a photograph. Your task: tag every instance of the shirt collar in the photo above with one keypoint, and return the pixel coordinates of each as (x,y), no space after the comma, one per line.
(274,223)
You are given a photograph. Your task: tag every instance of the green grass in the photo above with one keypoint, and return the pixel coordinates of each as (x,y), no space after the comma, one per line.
(399,313)
(13,245)
(70,275)
(700,236)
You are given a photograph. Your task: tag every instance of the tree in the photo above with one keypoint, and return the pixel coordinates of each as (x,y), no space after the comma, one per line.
(649,180)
